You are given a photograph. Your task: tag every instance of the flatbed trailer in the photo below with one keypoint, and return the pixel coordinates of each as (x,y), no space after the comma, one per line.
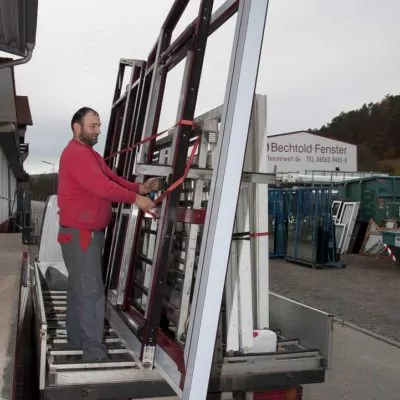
(303,347)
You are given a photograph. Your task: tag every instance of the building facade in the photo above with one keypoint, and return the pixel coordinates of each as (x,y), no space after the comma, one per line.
(15,117)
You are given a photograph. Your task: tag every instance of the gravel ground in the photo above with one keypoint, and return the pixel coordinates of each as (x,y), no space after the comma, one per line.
(366,293)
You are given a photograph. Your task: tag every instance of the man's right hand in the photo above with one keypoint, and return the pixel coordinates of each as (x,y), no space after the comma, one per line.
(144,203)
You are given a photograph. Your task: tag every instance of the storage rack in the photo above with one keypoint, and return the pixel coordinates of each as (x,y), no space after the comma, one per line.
(165,275)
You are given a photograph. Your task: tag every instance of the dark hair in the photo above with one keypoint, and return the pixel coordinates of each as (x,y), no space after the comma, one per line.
(80,114)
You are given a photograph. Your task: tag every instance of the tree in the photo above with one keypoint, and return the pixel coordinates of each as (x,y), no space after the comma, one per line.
(374,128)
(42,186)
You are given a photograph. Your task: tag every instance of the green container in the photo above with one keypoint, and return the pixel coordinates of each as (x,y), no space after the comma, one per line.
(391,238)
(379,197)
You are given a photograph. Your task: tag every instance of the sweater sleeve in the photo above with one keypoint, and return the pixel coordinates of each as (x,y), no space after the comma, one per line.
(88,173)
(134,186)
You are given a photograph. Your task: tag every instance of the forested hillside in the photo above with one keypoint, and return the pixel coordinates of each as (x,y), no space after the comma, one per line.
(42,186)
(375,128)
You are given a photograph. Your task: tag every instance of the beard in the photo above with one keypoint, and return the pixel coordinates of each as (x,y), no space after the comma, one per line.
(88,139)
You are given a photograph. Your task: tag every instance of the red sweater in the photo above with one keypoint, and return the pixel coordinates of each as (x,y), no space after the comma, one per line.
(87,187)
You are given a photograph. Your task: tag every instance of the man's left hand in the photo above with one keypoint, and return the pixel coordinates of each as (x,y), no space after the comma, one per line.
(151,185)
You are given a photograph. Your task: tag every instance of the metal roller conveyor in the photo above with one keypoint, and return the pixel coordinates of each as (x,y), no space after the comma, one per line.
(61,358)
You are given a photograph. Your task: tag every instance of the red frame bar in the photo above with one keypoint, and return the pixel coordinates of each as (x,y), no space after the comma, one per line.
(111,124)
(176,52)
(194,63)
(124,112)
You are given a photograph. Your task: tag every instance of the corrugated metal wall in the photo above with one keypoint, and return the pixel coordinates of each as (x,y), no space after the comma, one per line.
(8,187)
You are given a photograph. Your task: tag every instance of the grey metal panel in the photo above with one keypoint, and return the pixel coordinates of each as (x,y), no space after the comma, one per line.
(8,110)
(18,23)
(312,327)
(31,20)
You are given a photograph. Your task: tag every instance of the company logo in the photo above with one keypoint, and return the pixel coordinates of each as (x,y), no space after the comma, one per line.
(317,148)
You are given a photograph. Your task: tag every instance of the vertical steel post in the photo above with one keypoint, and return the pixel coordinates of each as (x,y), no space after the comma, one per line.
(259,214)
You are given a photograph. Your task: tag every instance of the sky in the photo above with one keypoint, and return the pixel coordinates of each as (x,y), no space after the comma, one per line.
(319,58)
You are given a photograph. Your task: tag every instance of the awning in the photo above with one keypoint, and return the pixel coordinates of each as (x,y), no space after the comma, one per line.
(18,21)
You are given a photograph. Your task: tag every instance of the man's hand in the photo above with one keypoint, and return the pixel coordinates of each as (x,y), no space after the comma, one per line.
(144,203)
(151,185)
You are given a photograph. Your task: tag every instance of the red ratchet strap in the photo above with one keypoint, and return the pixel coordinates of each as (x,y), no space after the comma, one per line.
(179,181)
(248,235)
(258,234)
(150,138)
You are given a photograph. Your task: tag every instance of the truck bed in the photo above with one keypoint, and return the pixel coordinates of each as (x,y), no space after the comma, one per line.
(302,356)
(64,377)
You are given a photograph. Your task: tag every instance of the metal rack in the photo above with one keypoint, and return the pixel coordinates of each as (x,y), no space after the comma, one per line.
(190,279)
(277,214)
(311,232)
(158,265)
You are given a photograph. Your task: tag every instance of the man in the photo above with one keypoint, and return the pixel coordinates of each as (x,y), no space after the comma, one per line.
(87,187)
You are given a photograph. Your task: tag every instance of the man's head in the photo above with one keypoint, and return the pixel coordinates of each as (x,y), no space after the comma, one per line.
(86,126)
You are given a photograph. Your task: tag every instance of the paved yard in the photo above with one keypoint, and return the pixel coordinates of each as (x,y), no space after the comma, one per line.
(363,368)
(365,293)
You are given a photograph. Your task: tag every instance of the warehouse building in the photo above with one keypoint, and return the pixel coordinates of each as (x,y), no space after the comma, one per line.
(15,116)
(302,152)
(17,40)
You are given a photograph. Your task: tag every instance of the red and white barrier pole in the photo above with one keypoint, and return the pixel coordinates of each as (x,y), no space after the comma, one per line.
(390,252)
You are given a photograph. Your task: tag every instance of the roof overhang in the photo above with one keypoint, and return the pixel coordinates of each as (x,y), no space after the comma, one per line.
(24,116)
(18,23)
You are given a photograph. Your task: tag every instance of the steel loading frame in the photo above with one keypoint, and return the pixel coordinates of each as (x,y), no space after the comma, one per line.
(135,117)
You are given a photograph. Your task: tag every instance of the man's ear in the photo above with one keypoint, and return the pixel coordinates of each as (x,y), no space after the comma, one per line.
(76,128)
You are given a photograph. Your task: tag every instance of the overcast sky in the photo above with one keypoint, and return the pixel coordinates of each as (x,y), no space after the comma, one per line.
(320,57)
